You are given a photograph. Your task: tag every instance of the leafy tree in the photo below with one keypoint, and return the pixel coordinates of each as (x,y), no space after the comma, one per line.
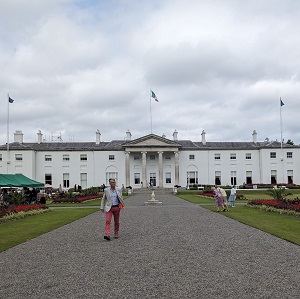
(278,193)
(291,142)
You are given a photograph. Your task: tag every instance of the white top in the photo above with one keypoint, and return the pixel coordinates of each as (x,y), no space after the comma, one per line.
(233,191)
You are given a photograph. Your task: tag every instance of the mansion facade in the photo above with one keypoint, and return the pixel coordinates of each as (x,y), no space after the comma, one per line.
(152,160)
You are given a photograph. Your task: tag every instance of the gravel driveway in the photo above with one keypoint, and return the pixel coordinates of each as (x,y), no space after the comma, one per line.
(176,250)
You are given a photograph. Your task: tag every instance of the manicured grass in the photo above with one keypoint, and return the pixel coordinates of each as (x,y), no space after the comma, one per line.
(283,226)
(261,194)
(16,232)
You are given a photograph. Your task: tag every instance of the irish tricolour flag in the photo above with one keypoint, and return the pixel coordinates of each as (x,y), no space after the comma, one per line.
(153,95)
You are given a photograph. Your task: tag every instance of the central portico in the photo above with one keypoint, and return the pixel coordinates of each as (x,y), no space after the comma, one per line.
(152,160)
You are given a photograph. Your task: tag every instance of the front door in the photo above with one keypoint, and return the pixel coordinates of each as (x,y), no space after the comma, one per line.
(152,179)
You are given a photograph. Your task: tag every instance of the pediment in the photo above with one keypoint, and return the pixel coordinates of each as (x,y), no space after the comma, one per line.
(151,140)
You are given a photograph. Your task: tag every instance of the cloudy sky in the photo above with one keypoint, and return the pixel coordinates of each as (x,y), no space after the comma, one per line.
(75,66)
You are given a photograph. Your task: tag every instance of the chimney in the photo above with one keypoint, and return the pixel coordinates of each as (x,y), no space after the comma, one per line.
(18,137)
(203,137)
(128,136)
(163,135)
(175,138)
(98,135)
(39,136)
(254,136)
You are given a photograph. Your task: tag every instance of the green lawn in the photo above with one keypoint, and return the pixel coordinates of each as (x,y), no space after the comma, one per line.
(282,226)
(16,232)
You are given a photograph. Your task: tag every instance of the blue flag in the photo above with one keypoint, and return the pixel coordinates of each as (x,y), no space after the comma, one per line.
(10,100)
(281,103)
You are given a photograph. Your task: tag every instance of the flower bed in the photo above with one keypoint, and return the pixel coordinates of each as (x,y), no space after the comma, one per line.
(284,204)
(5,210)
(76,199)
(205,193)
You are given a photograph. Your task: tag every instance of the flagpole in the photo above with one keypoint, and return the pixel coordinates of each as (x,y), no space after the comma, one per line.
(281,141)
(280,122)
(150,112)
(7,136)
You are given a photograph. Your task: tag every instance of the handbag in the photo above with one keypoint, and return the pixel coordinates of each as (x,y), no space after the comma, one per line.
(121,206)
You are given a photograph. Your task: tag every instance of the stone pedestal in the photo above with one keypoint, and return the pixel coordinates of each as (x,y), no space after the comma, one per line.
(153,201)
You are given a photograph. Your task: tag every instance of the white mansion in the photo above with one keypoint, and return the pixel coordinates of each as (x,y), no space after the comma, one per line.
(152,159)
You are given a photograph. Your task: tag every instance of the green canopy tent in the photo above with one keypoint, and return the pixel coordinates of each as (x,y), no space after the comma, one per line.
(18,180)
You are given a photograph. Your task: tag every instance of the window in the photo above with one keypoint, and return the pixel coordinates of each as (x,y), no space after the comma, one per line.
(289,155)
(136,157)
(290,176)
(152,179)
(0,157)
(18,157)
(48,158)
(273,176)
(233,178)
(233,157)
(152,157)
(248,177)
(168,177)
(218,178)
(83,157)
(192,177)
(167,157)
(273,155)
(248,156)
(66,157)
(137,178)
(192,157)
(217,156)
(83,180)
(48,178)
(66,180)
(111,157)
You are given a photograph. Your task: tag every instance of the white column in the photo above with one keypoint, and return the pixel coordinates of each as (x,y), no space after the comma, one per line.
(144,170)
(160,167)
(176,168)
(127,169)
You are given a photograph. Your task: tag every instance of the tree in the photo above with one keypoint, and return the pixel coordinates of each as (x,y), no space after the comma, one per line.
(278,193)
(291,142)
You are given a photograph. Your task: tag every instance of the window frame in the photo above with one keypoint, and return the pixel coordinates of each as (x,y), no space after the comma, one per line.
(232,156)
(18,157)
(248,156)
(48,158)
(217,156)
(66,157)
(83,157)
(168,178)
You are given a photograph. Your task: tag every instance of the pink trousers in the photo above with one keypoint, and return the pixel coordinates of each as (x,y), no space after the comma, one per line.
(114,211)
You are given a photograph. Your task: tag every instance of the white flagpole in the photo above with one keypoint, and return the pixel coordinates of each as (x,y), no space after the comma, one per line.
(280,122)
(281,141)
(150,112)
(7,136)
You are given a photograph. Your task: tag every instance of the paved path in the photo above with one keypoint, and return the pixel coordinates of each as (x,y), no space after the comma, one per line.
(177,250)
